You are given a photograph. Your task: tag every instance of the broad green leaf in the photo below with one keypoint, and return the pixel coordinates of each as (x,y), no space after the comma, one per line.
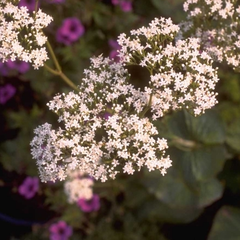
(205,129)
(233,135)
(226,225)
(155,209)
(199,164)
(175,192)
(209,192)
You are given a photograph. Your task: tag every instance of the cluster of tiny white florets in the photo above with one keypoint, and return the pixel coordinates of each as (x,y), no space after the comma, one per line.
(21,34)
(216,23)
(180,74)
(103,132)
(78,186)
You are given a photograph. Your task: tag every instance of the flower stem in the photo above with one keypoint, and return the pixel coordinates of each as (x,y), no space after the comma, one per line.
(53,56)
(36,6)
(59,69)
(63,76)
(147,107)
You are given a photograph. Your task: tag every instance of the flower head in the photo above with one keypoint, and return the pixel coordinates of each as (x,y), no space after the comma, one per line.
(21,34)
(98,146)
(78,186)
(180,75)
(19,66)
(30,4)
(6,93)
(114,52)
(70,31)
(90,205)
(125,5)
(216,24)
(60,231)
(29,187)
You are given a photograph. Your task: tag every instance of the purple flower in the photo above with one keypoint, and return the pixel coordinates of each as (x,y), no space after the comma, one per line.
(126,6)
(114,52)
(115,2)
(6,92)
(30,4)
(3,69)
(70,31)
(60,231)
(20,66)
(29,187)
(89,205)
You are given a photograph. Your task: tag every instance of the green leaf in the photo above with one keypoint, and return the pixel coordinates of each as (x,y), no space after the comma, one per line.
(205,129)
(233,135)
(226,224)
(175,192)
(155,209)
(199,164)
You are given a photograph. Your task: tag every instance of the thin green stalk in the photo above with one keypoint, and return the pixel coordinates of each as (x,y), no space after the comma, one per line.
(36,5)
(54,57)
(59,69)
(63,76)
(147,107)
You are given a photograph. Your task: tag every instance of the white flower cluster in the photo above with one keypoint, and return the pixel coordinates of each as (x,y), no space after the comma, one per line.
(181,75)
(21,34)
(102,132)
(216,23)
(77,186)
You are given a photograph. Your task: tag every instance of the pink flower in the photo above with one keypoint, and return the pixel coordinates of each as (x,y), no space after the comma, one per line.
(30,4)
(6,92)
(115,2)
(29,187)
(70,31)
(20,66)
(126,6)
(114,52)
(60,231)
(89,205)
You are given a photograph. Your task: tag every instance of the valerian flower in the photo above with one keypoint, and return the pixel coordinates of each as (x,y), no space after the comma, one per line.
(99,146)
(21,35)
(216,24)
(180,75)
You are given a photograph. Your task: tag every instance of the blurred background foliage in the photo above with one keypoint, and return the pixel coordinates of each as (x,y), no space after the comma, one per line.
(199,198)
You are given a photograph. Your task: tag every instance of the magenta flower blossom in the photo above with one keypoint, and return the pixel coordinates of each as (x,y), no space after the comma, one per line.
(114,52)
(89,205)
(6,92)
(115,2)
(30,4)
(20,66)
(29,187)
(70,31)
(3,69)
(126,6)
(60,231)
(6,68)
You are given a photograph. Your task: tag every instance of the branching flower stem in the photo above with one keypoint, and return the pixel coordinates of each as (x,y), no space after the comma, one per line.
(58,70)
